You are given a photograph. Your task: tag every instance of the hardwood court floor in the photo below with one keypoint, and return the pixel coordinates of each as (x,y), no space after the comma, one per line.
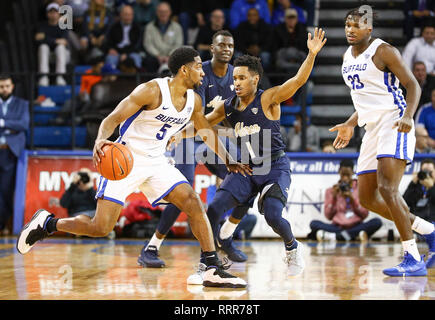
(67,268)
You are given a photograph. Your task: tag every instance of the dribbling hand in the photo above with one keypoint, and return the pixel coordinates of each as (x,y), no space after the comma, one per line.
(344,134)
(98,152)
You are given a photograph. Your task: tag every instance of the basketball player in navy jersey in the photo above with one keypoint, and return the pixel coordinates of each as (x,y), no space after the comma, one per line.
(255,117)
(147,118)
(372,69)
(217,85)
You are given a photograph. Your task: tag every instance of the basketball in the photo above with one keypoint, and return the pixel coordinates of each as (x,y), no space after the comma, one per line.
(116,163)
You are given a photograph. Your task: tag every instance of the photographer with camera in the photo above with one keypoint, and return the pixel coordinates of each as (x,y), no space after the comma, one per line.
(343,208)
(79,198)
(420,194)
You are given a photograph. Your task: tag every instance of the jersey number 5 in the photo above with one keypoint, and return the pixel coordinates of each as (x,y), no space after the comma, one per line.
(162,132)
(355,82)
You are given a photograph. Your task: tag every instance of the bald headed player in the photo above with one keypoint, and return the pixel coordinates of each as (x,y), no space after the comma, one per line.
(373,70)
(217,85)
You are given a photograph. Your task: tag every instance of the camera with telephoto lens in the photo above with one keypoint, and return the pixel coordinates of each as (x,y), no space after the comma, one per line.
(344,186)
(423,174)
(84,177)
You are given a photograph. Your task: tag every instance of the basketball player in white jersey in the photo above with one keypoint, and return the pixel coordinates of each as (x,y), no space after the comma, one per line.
(148,117)
(372,69)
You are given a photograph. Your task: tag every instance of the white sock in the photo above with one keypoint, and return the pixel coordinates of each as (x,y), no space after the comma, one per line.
(411,247)
(227,229)
(155,242)
(422,226)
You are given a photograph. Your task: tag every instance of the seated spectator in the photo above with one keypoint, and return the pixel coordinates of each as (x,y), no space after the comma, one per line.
(281,7)
(290,41)
(123,39)
(254,37)
(14,123)
(79,198)
(161,37)
(422,141)
(144,12)
(189,15)
(426,82)
(206,32)
(96,22)
(416,12)
(425,118)
(51,40)
(239,11)
(422,49)
(294,137)
(343,208)
(310,8)
(420,193)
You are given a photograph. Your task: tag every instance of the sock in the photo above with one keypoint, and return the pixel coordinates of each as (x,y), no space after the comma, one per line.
(51,225)
(422,226)
(411,247)
(227,230)
(155,242)
(211,258)
(291,245)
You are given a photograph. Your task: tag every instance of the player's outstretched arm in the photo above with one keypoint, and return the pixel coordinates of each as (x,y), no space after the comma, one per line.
(210,137)
(391,59)
(281,93)
(344,131)
(142,95)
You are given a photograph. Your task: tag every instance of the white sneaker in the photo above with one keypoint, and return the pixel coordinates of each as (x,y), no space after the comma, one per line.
(44,81)
(60,81)
(33,231)
(218,277)
(196,278)
(295,260)
(363,236)
(322,235)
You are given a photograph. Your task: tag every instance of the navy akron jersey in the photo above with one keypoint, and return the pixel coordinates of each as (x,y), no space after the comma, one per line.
(214,87)
(257,136)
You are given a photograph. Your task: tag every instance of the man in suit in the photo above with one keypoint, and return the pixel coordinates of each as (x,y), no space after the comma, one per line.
(14,121)
(123,39)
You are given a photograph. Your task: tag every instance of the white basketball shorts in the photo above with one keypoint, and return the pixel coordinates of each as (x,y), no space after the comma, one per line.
(382,141)
(154,177)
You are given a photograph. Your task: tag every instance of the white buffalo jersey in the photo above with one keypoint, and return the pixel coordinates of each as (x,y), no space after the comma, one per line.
(148,131)
(373,91)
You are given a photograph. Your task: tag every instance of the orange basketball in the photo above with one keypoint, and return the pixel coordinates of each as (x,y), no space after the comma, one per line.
(116,163)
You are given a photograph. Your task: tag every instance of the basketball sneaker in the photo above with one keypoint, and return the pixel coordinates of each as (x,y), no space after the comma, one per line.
(295,260)
(216,276)
(322,235)
(197,278)
(227,245)
(409,267)
(149,257)
(430,240)
(33,231)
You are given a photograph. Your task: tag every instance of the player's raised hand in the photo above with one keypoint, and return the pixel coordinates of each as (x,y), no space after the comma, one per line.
(98,150)
(243,169)
(344,134)
(316,42)
(404,124)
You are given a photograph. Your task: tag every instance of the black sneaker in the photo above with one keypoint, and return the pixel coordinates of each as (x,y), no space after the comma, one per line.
(216,276)
(149,257)
(230,249)
(33,231)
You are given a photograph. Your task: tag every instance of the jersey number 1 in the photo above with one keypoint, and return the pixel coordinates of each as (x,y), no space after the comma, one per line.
(162,132)
(355,82)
